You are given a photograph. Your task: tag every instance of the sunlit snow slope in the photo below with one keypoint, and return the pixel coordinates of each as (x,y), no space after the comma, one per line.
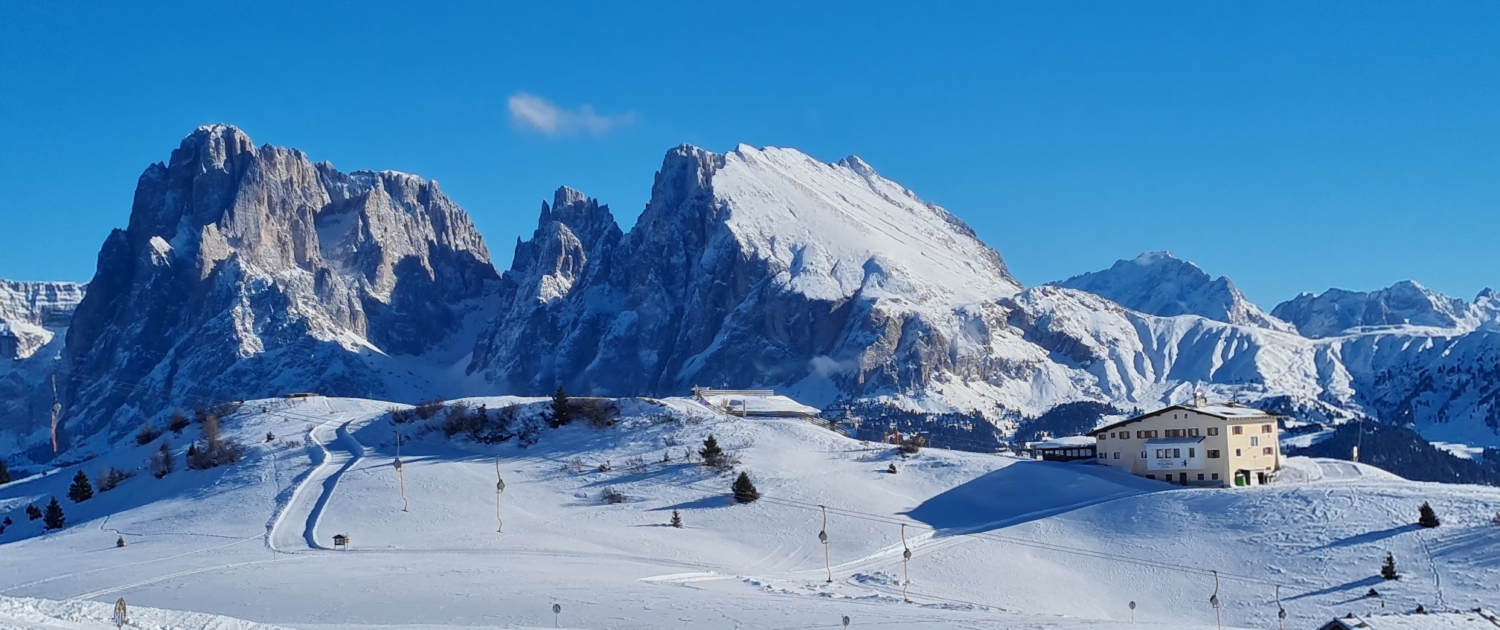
(996,541)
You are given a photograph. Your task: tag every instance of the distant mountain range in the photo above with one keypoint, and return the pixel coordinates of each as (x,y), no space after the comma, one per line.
(251,271)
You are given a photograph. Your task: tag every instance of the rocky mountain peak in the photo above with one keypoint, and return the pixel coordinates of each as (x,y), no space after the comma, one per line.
(1159,283)
(247,271)
(1405,303)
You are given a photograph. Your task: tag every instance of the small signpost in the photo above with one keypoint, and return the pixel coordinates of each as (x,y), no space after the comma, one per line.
(499,488)
(400,475)
(846,621)
(905,559)
(823,538)
(1132,611)
(122,614)
(556,611)
(341,541)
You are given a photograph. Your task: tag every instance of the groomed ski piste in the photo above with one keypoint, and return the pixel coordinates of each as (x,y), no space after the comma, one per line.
(996,542)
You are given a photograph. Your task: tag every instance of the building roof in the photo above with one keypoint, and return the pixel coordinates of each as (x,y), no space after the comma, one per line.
(1224,411)
(1073,441)
(1476,620)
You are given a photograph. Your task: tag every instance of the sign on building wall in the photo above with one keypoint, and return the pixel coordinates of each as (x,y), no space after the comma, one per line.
(1172,454)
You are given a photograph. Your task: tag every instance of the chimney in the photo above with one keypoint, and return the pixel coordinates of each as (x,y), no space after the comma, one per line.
(1199,399)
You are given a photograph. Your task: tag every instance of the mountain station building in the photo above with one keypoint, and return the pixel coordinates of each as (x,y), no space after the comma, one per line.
(1195,445)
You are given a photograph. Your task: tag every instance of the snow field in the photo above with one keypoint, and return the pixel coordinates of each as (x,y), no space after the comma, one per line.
(995,541)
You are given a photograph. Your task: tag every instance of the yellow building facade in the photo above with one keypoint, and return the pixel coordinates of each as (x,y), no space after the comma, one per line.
(1195,445)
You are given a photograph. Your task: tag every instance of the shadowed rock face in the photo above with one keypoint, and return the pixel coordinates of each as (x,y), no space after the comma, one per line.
(250,271)
(34,319)
(713,287)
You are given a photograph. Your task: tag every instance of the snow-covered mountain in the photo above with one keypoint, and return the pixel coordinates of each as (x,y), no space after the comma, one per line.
(34,319)
(1405,303)
(758,266)
(250,271)
(1161,284)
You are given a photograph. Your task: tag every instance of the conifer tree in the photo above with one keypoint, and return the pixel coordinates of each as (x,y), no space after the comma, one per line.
(1428,517)
(744,491)
(561,414)
(32,512)
(81,490)
(120,542)
(54,518)
(711,454)
(676,519)
(1388,570)
(7,522)
(4,472)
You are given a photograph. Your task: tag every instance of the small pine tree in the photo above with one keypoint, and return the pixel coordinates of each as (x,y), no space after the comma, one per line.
(711,454)
(561,414)
(270,437)
(676,519)
(1388,570)
(32,512)
(177,422)
(4,472)
(120,542)
(81,490)
(1428,517)
(891,469)
(54,519)
(744,491)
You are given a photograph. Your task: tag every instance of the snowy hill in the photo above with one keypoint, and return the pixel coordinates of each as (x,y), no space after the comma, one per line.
(988,550)
(1160,284)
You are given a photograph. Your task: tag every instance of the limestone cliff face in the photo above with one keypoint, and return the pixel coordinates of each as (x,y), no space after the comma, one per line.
(34,319)
(758,267)
(249,271)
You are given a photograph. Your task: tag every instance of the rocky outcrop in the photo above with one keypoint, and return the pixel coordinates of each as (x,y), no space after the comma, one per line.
(251,271)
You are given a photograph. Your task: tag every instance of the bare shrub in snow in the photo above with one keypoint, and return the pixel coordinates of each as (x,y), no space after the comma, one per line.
(177,422)
(612,495)
(147,434)
(636,465)
(600,413)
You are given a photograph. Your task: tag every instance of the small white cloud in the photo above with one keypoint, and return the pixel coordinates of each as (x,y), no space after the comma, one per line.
(533,112)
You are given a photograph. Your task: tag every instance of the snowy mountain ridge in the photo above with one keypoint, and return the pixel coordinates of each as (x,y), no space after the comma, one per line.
(1161,284)
(1404,303)
(250,271)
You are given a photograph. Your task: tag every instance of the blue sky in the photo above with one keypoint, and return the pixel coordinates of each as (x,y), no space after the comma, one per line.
(1293,146)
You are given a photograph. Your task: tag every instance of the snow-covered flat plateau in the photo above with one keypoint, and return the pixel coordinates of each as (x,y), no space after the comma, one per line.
(996,542)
